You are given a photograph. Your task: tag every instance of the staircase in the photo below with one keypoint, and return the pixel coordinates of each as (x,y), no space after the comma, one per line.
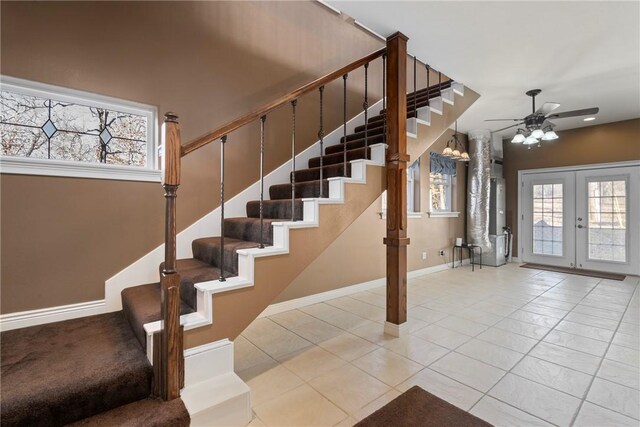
(97,370)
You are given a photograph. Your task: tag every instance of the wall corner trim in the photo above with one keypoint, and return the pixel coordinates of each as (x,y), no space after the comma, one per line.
(23,319)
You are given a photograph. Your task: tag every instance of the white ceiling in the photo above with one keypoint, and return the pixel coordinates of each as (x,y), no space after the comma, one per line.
(581,54)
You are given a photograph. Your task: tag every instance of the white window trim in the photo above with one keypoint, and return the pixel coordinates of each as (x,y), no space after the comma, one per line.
(443,214)
(62,168)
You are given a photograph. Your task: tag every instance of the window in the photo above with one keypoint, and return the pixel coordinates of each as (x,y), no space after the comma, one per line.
(440,190)
(607,218)
(547,219)
(442,179)
(48,130)
(413,192)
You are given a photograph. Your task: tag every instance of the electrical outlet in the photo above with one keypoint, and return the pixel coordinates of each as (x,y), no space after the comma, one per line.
(424,255)
(441,253)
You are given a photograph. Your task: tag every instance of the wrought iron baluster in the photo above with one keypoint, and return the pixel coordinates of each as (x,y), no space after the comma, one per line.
(415,94)
(439,80)
(344,125)
(262,120)
(384,95)
(321,137)
(223,141)
(428,85)
(293,161)
(365,105)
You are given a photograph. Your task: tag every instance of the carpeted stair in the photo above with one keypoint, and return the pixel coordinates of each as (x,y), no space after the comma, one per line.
(64,372)
(94,371)
(243,233)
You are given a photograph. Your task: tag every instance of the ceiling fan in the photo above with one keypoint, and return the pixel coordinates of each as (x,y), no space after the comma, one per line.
(537,125)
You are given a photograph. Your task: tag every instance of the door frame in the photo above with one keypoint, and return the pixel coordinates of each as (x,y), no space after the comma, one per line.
(576,168)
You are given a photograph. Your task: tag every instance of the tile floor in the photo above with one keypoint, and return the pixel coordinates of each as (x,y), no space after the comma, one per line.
(513,346)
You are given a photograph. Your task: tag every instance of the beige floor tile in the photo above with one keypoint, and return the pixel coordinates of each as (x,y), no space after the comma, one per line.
(442,336)
(625,340)
(387,366)
(316,331)
(302,406)
(445,388)
(335,316)
(348,346)
(620,373)
(311,362)
(629,328)
(527,329)
(536,319)
(426,314)
(359,308)
(616,397)
(247,355)
(349,387)
(502,415)
(536,399)
(597,312)
(371,298)
(417,349)
(545,311)
(269,383)
(373,332)
(376,404)
(273,339)
(347,422)
(508,340)
(491,354)
(599,322)
(555,376)
(585,330)
(468,371)
(566,357)
(591,415)
(479,316)
(624,355)
(462,325)
(576,342)
(292,318)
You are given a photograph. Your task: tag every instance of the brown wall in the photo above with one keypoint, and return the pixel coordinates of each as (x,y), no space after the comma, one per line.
(611,142)
(358,255)
(209,62)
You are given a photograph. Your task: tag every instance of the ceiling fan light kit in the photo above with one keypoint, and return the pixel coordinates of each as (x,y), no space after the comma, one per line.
(537,126)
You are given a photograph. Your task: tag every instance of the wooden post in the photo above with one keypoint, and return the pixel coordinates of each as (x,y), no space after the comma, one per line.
(169,373)
(397,158)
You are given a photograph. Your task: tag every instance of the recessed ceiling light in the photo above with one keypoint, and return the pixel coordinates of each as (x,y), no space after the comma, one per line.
(588,119)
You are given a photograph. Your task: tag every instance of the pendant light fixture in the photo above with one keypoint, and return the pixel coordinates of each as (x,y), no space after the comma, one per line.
(455,153)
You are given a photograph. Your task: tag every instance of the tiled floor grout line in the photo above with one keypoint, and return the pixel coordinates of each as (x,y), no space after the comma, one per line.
(593,378)
(527,354)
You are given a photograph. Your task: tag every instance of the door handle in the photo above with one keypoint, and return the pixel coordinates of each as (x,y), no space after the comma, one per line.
(581,226)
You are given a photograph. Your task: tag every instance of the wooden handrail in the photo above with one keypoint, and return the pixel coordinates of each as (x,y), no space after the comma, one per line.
(265,109)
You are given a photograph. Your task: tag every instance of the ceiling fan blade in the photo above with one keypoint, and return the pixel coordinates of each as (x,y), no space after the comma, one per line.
(547,107)
(508,127)
(502,120)
(574,113)
(547,123)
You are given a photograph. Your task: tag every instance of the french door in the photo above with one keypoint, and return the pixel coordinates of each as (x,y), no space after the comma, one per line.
(585,219)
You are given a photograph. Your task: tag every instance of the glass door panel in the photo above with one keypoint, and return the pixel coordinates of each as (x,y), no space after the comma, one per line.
(607,212)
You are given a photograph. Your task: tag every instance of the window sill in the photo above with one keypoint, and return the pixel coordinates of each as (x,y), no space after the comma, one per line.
(44,167)
(443,214)
(383,215)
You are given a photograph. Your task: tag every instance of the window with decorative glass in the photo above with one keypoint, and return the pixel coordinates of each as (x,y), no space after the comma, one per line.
(47,125)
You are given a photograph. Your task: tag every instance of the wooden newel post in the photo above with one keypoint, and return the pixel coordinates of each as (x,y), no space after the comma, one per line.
(397,158)
(168,346)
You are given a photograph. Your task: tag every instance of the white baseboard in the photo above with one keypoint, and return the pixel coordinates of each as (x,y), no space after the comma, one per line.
(23,319)
(214,395)
(292,304)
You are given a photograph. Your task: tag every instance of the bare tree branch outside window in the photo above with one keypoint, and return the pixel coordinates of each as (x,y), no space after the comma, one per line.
(48,129)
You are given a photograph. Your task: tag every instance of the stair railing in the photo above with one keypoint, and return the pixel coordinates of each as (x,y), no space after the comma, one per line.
(168,358)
